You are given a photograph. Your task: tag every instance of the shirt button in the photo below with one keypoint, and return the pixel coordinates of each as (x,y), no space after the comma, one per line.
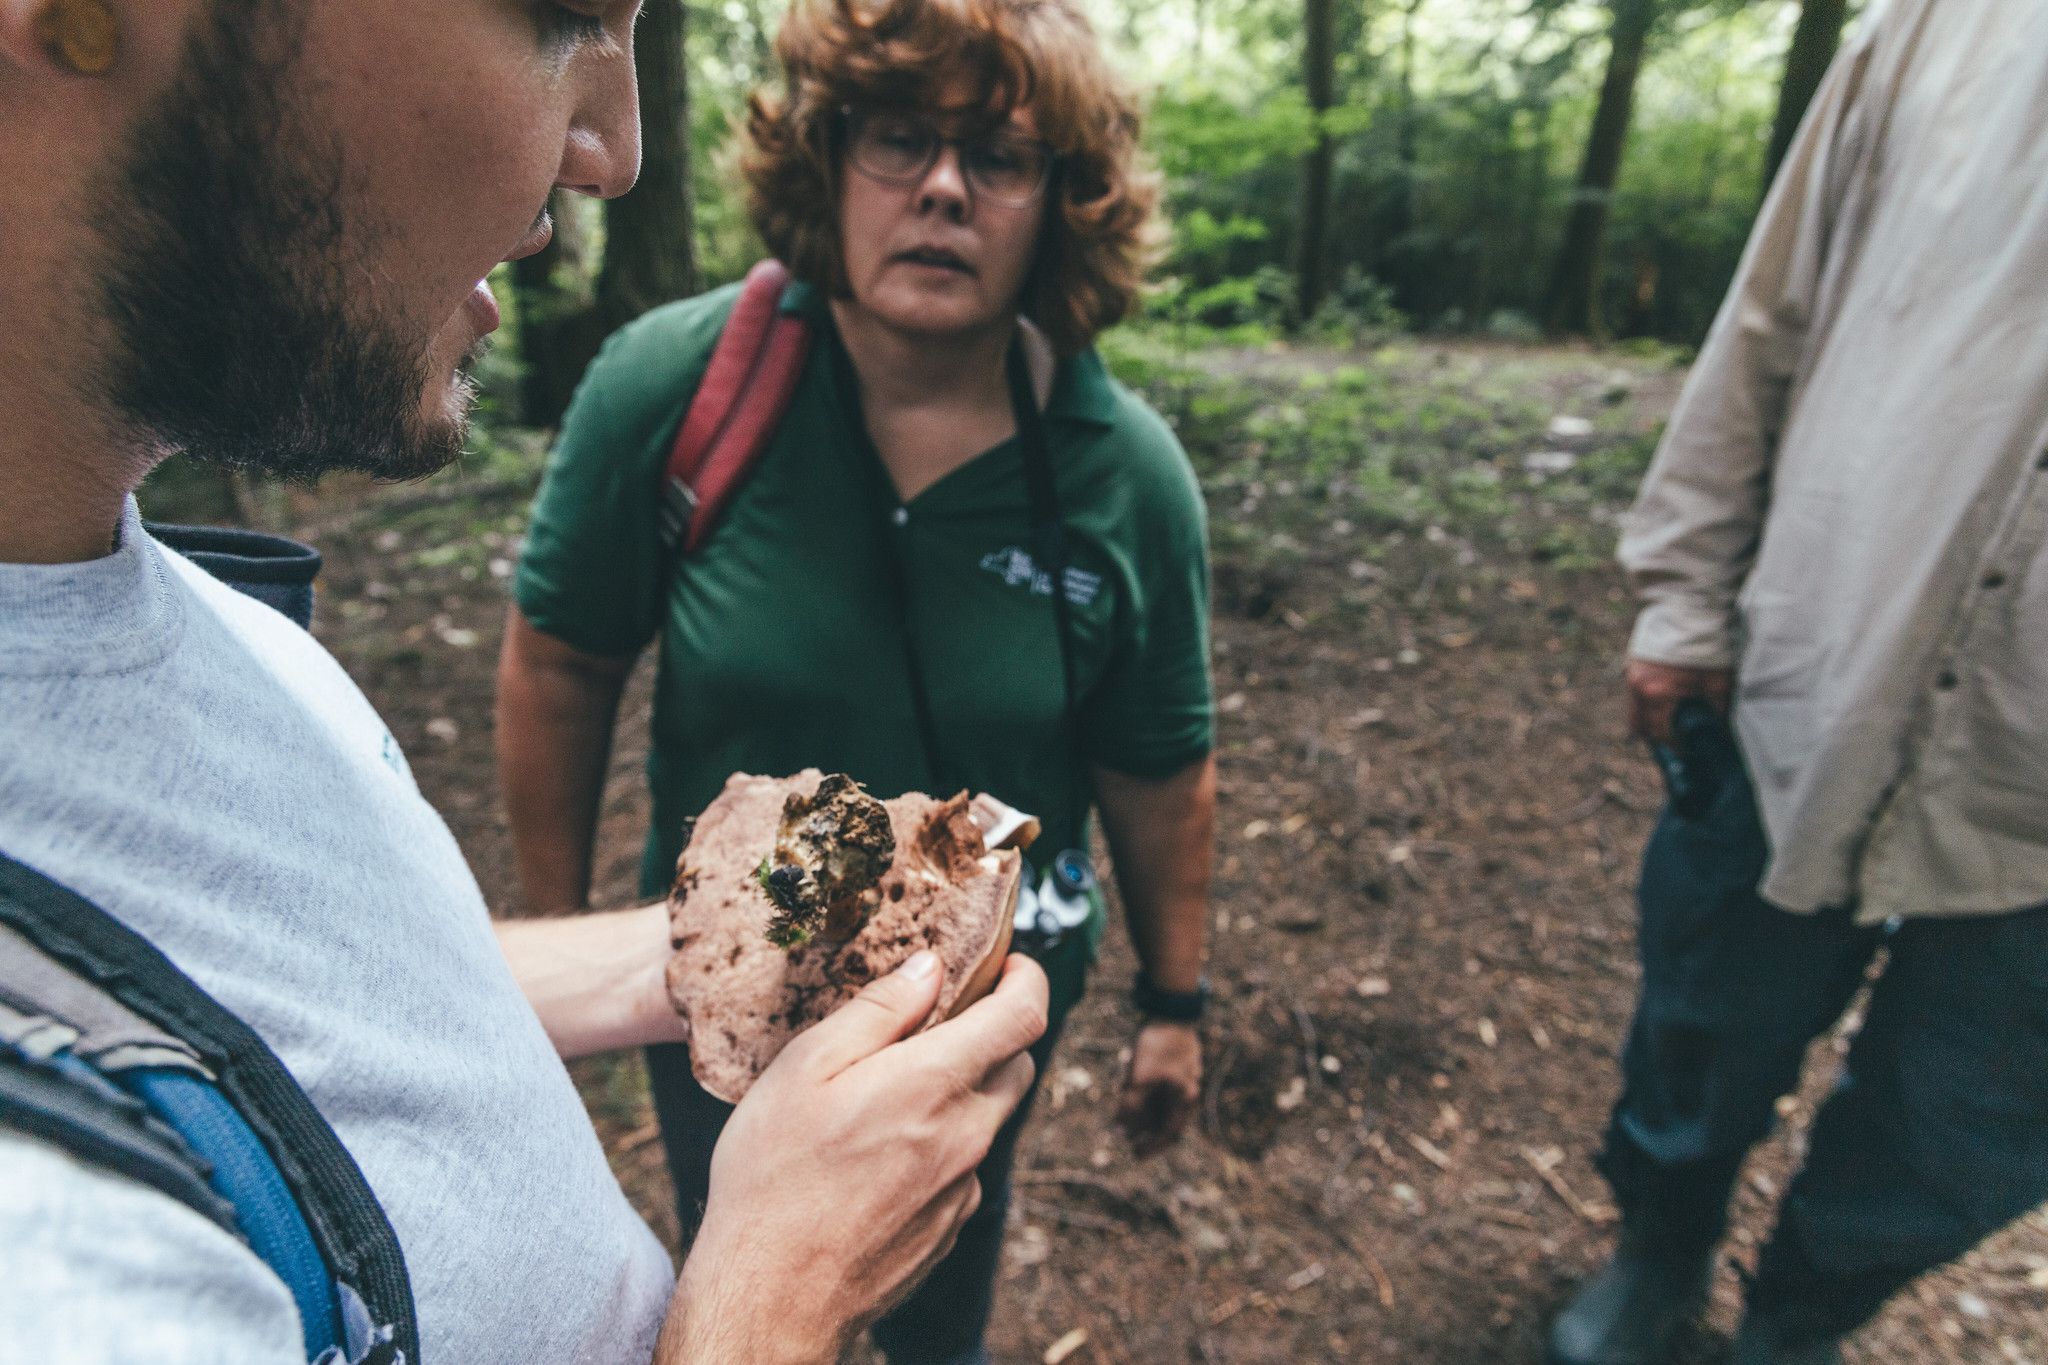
(1948,679)
(901,516)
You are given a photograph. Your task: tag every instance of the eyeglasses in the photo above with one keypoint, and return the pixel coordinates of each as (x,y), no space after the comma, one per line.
(901,149)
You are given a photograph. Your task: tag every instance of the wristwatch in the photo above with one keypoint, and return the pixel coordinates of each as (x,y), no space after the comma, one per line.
(1179,1007)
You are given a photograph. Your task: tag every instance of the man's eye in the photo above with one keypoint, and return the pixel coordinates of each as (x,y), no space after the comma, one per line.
(562,26)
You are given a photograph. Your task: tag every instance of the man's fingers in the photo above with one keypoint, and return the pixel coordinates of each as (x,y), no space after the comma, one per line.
(993,1030)
(1653,718)
(1007,1086)
(891,1008)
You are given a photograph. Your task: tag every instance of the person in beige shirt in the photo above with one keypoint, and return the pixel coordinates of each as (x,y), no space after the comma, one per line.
(1843,660)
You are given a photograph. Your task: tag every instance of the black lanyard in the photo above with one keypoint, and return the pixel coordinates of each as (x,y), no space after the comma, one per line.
(1049,549)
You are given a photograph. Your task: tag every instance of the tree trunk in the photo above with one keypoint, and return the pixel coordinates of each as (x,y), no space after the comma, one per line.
(650,254)
(649,240)
(1319,75)
(1575,282)
(1814,42)
(550,305)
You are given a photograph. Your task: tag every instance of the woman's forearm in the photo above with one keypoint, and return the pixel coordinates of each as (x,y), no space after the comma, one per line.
(556,706)
(596,981)
(1162,837)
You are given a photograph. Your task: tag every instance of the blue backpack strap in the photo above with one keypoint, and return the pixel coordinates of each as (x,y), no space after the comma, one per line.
(100,1124)
(167,1086)
(244,1175)
(275,571)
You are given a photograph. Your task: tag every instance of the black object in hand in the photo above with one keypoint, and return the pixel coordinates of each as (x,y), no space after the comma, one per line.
(1695,761)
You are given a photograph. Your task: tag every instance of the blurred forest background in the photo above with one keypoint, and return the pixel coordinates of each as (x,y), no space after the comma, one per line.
(1343,168)
(1340,173)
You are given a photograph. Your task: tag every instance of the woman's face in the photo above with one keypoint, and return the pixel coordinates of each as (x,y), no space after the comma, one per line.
(938,253)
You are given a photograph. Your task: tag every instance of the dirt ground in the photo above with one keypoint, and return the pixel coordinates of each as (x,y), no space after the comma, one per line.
(1423,951)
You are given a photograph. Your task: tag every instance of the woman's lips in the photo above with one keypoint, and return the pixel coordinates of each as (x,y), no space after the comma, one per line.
(933,259)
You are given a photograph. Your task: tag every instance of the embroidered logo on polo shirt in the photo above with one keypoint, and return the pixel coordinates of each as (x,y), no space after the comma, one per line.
(1015,566)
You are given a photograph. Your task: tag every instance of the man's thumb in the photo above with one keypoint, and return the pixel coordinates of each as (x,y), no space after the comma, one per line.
(890,1009)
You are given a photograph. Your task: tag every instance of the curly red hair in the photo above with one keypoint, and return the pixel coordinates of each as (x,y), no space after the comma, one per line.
(1101,229)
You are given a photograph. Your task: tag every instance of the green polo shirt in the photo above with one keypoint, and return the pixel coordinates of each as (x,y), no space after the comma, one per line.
(787,639)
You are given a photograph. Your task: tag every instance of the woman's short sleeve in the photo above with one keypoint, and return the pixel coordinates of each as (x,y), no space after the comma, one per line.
(1152,713)
(593,573)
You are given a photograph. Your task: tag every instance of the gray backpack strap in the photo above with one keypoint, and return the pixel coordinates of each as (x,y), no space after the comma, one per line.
(46,1015)
(111,1052)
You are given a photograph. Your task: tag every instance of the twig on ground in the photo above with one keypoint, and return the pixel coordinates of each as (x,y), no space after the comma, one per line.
(1210,1100)
(1545,1163)
(1433,1154)
(1311,1053)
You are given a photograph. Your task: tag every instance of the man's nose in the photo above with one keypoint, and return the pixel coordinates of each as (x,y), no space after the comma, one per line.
(945,188)
(601,152)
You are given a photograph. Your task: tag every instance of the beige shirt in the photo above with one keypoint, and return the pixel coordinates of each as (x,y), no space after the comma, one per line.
(1850,505)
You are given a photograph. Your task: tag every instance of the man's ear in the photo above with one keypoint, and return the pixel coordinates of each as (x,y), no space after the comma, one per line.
(77,38)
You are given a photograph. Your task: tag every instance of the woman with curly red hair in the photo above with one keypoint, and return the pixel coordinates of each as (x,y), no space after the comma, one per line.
(965,557)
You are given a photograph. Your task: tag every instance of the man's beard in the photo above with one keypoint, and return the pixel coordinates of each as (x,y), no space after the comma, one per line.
(227,279)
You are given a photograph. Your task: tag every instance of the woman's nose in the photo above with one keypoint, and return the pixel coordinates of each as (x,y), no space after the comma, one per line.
(945,188)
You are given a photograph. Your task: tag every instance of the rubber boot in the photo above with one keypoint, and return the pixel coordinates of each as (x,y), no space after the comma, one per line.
(1766,1339)
(1632,1310)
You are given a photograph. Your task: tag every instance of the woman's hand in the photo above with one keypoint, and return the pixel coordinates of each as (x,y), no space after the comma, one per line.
(1163,1087)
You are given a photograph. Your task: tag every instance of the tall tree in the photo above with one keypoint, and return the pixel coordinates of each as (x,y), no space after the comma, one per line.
(650,254)
(1574,281)
(1319,76)
(1814,40)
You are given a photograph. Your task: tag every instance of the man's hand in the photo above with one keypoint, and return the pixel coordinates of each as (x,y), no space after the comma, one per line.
(1655,690)
(1164,1085)
(846,1172)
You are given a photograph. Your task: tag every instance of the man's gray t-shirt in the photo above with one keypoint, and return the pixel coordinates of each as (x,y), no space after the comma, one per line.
(200,768)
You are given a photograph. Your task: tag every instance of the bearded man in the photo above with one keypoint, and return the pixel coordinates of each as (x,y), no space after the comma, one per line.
(254,231)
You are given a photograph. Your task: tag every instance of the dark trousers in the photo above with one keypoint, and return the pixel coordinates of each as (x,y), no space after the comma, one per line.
(944,1319)
(1936,1134)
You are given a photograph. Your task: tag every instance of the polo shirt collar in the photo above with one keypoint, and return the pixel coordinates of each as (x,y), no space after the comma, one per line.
(1081,390)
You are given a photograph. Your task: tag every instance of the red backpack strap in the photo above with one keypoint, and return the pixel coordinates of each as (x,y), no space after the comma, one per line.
(746,389)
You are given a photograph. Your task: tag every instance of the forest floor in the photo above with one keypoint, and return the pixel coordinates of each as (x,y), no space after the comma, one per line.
(1423,934)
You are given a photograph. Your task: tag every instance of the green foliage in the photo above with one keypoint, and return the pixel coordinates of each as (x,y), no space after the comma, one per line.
(1457,128)
(1403,439)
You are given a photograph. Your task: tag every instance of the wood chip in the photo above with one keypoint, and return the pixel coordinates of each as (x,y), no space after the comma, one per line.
(1066,1346)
